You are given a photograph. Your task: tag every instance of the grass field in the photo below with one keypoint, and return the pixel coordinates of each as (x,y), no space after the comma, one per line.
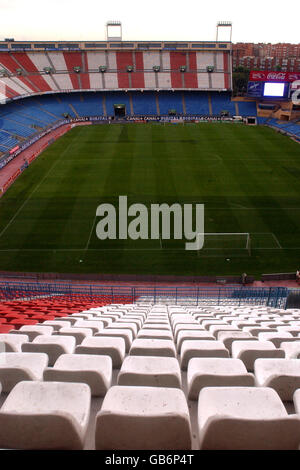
(247,177)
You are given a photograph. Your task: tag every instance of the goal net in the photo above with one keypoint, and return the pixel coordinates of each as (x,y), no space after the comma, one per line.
(233,244)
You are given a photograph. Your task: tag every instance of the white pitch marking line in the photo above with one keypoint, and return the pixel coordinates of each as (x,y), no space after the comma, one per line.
(29,197)
(132,249)
(37,187)
(276,240)
(89,239)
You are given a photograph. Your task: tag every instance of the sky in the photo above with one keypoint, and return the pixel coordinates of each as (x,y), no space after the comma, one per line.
(170,20)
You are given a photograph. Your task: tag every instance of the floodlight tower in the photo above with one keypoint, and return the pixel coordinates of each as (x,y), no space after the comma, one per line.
(224,24)
(116,28)
(228,25)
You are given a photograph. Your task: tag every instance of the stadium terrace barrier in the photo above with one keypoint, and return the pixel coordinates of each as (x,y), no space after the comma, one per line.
(229,295)
(68,277)
(279,277)
(293,299)
(10,181)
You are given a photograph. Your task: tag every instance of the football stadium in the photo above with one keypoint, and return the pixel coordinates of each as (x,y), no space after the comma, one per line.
(149,249)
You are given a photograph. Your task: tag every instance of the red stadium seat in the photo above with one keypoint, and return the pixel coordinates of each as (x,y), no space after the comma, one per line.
(6,328)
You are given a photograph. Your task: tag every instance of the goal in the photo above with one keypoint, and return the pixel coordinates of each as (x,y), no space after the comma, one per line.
(227,243)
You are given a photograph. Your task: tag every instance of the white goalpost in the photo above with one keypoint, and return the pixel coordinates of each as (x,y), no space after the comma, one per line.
(227,242)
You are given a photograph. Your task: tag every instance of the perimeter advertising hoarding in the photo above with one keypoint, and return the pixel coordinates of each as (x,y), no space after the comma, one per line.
(255,89)
(267,76)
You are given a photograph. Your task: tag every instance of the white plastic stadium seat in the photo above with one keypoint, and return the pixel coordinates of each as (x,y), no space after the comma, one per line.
(249,351)
(153,347)
(54,346)
(291,349)
(104,346)
(190,349)
(45,415)
(245,418)
(229,336)
(185,335)
(78,333)
(17,367)
(155,334)
(32,331)
(283,375)
(95,371)
(213,372)
(124,333)
(127,325)
(57,325)
(276,338)
(143,418)
(13,343)
(150,371)
(94,325)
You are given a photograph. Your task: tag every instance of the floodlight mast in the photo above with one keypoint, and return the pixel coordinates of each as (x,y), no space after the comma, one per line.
(117,26)
(224,24)
(227,24)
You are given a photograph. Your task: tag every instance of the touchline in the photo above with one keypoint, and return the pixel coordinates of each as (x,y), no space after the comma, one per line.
(138,228)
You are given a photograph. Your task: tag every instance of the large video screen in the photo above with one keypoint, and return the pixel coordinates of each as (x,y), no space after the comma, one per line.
(274,89)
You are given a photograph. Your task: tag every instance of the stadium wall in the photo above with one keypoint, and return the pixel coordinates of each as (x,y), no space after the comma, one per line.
(127,278)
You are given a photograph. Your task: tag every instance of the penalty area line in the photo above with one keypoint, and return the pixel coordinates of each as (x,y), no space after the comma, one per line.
(36,188)
(86,248)
(26,200)
(276,240)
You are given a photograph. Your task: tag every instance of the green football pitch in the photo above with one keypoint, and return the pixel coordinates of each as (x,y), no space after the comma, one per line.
(248,179)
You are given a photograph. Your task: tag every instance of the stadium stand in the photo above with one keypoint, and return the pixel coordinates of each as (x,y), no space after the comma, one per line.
(170,101)
(143,91)
(197,103)
(41,73)
(222,102)
(247,108)
(121,369)
(64,81)
(115,97)
(136,377)
(27,69)
(22,119)
(7,142)
(144,103)
(291,127)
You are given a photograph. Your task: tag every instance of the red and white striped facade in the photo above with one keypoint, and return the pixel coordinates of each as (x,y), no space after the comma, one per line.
(34,80)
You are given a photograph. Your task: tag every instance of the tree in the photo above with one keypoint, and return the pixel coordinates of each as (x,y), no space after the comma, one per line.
(240,80)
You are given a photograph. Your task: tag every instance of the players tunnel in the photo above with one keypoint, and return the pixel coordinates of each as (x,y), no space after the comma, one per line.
(120,110)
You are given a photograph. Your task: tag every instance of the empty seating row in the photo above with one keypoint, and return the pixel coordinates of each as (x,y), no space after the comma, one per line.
(152,367)
(22,118)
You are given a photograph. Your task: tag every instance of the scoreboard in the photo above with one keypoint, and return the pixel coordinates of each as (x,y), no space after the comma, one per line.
(268,90)
(265,84)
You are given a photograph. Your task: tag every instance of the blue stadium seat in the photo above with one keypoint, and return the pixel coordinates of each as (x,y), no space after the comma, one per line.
(247,108)
(290,127)
(144,103)
(170,100)
(55,105)
(222,102)
(25,117)
(87,104)
(116,97)
(196,103)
